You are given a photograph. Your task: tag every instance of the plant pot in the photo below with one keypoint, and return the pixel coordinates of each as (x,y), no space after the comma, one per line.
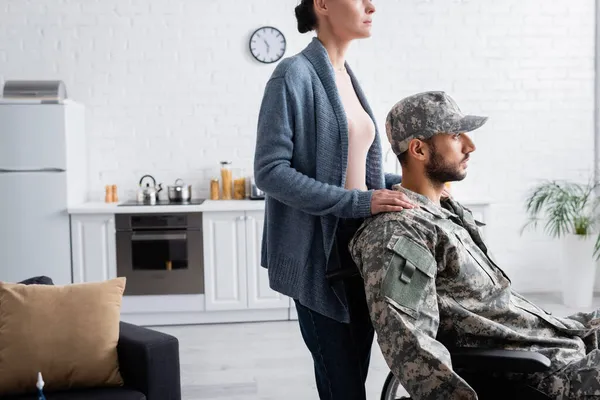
(578,271)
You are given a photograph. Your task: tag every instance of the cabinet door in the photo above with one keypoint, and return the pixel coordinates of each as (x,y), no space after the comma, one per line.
(93,248)
(260,295)
(225,260)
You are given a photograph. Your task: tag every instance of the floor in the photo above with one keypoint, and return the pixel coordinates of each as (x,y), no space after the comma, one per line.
(268,361)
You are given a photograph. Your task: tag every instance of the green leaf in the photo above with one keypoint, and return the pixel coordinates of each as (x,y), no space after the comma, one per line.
(566,207)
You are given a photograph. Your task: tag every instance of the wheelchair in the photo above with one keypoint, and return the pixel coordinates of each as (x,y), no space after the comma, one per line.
(477,366)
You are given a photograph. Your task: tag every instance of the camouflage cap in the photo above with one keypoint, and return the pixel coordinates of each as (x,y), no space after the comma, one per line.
(424,115)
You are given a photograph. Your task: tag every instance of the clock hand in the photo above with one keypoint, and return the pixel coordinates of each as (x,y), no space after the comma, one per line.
(267,44)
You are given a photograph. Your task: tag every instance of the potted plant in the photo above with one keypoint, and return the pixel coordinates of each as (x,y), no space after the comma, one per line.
(571,213)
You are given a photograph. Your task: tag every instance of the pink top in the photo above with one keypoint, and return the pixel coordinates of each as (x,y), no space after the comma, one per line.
(361,133)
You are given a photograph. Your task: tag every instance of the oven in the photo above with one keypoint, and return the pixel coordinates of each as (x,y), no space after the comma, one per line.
(160,253)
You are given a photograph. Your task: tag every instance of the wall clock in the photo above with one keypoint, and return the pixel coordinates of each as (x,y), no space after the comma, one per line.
(267,44)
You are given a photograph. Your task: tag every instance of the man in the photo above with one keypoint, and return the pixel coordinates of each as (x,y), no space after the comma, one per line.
(430,279)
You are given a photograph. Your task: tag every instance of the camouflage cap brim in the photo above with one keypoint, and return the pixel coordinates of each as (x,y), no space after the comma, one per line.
(471,122)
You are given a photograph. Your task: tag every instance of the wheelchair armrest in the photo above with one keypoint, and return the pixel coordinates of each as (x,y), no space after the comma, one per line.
(500,360)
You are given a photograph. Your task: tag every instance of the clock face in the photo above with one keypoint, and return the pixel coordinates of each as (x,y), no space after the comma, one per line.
(267,44)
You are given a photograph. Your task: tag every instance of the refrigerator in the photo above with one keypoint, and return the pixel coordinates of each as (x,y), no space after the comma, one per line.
(43,167)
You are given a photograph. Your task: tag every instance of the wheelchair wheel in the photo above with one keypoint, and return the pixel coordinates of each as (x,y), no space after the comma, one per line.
(391,387)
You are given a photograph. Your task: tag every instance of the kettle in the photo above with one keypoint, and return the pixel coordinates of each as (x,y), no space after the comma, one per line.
(148,194)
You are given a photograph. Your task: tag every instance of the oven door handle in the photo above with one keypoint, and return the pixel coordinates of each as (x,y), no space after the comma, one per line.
(138,236)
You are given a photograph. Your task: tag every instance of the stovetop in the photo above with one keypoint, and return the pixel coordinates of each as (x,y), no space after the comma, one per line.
(192,202)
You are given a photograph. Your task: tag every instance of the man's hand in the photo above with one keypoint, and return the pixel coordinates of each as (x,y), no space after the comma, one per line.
(385,200)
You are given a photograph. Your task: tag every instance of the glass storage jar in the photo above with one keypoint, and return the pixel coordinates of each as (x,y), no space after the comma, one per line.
(226,180)
(239,185)
(214,188)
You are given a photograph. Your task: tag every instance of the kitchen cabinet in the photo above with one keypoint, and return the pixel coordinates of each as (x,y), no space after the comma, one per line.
(234,279)
(224,261)
(93,247)
(260,295)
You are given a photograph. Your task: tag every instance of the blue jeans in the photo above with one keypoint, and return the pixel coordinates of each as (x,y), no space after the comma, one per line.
(341,352)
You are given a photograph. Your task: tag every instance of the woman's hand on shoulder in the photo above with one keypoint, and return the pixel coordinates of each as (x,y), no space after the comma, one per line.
(385,200)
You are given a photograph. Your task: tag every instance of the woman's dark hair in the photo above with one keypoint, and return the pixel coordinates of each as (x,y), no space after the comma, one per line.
(306,16)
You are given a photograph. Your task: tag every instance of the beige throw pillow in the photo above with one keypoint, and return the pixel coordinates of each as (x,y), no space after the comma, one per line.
(68,333)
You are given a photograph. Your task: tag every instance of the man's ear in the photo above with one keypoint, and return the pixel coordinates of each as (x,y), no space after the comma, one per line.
(417,149)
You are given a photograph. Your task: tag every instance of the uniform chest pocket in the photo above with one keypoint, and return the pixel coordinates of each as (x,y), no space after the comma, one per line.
(475,267)
(410,270)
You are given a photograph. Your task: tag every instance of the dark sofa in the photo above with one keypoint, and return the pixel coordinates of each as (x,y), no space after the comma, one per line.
(148,362)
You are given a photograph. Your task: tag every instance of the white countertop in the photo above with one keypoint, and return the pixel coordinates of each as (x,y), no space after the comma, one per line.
(207,206)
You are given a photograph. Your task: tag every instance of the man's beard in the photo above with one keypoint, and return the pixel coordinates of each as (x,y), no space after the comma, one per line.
(440,172)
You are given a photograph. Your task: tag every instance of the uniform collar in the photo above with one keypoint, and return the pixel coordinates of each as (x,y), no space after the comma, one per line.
(429,206)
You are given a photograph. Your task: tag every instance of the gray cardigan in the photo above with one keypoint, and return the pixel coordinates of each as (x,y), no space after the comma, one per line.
(300,163)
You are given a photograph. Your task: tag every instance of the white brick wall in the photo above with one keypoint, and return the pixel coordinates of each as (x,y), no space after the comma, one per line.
(171,89)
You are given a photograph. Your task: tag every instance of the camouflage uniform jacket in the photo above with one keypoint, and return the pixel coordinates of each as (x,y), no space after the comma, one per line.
(430,280)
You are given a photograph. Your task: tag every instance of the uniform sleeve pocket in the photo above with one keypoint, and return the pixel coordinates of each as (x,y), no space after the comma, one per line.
(409,271)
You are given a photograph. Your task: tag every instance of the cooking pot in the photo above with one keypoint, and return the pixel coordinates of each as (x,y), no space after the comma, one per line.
(179,191)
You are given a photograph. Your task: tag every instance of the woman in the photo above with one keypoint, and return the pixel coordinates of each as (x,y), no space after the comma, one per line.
(318,159)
